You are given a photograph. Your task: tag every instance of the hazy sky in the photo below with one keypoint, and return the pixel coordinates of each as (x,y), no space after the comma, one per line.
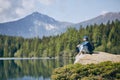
(63,10)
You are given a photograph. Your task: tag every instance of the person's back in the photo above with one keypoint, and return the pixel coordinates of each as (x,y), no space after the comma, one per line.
(89,47)
(85,47)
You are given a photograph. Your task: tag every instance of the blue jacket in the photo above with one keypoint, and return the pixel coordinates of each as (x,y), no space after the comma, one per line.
(88,44)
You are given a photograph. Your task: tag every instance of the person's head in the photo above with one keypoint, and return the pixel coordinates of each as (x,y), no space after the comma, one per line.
(85,38)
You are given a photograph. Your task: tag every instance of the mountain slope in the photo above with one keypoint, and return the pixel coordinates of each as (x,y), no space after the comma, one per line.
(34,25)
(104,18)
(39,25)
(97,57)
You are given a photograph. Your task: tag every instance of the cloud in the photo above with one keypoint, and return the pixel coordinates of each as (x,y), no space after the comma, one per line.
(25,7)
(46,2)
(15,9)
(4,6)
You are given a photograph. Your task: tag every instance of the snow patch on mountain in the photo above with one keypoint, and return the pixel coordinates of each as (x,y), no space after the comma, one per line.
(37,23)
(50,27)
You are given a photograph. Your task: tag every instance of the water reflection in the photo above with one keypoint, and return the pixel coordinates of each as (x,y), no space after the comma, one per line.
(30,69)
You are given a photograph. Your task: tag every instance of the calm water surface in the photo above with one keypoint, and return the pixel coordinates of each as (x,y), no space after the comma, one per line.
(30,69)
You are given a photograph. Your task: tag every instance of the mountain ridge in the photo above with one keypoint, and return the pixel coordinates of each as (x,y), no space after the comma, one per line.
(103,18)
(33,25)
(39,25)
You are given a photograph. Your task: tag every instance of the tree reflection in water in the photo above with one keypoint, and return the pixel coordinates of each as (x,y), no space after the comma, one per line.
(40,69)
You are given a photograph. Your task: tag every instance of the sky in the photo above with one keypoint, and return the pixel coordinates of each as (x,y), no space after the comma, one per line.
(74,11)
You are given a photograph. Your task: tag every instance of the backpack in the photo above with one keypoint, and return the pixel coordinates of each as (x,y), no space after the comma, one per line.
(90,47)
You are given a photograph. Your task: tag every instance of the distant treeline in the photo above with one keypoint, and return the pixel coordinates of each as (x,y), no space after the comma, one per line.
(105,38)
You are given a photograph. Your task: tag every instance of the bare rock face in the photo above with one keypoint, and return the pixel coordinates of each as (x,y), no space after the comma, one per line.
(96,57)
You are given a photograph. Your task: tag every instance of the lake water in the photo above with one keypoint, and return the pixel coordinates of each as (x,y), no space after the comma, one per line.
(30,69)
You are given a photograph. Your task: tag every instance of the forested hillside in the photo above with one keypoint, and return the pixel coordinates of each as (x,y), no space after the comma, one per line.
(105,38)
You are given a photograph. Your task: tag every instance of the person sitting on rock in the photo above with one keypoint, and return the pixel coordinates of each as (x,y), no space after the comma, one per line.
(85,46)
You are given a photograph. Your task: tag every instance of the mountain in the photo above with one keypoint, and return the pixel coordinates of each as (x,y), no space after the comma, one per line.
(39,25)
(34,25)
(104,18)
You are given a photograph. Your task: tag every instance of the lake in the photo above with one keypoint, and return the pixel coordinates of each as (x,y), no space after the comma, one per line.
(30,68)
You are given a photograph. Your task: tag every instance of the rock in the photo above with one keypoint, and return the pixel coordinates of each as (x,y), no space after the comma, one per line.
(96,57)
